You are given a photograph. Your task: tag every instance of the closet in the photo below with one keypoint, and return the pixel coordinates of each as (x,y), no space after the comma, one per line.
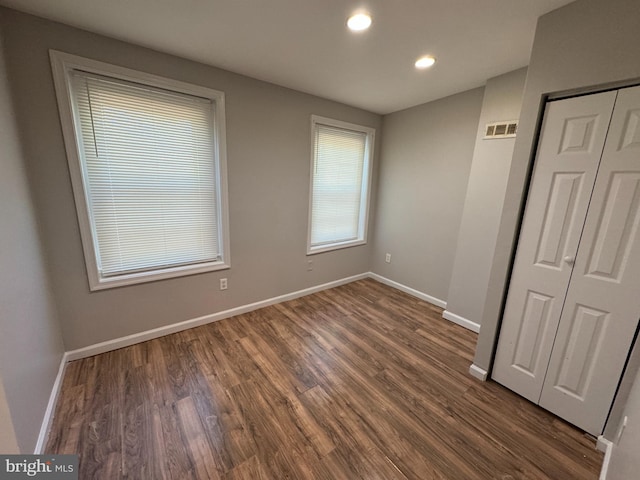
(573,302)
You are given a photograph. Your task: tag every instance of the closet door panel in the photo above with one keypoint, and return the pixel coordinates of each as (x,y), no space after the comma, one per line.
(602,306)
(569,153)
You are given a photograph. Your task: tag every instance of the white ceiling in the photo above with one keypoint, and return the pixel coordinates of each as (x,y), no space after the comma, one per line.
(304,44)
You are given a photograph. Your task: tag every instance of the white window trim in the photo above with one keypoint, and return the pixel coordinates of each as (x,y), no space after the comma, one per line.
(366,184)
(62,64)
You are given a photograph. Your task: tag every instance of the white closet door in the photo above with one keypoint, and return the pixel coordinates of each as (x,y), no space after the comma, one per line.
(602,306)
(569,152)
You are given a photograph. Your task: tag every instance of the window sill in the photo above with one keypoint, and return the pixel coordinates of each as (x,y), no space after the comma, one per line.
(335,246)
(104,283)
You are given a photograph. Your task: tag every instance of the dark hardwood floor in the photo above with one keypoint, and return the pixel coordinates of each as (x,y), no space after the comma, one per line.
(358,382)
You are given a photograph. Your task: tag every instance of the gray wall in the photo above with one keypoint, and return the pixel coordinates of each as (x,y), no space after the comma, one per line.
(268,144)
(30,342)
(484,199)
(580,47)
(426,157)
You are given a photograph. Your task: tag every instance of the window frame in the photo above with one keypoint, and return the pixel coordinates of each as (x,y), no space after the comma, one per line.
(363,220)
(62,64)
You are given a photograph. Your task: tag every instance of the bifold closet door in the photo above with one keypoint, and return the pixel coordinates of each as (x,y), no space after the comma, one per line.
(602,306)
(569,152)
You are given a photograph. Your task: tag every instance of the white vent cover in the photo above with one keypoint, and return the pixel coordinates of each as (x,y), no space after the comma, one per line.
(501,129)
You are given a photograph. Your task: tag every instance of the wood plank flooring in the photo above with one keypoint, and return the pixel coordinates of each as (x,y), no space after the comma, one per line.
(357,382)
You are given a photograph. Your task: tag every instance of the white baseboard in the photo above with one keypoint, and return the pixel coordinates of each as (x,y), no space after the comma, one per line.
(196,322)
(466,323)
(477,372)
(463,322)
(605,446)
(409,290)
(48,414)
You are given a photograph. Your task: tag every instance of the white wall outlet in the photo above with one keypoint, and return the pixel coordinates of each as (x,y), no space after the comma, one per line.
(223,284)
(387,258)
(309,265)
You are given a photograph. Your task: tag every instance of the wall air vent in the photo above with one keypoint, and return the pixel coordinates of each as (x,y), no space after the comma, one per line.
(501,129)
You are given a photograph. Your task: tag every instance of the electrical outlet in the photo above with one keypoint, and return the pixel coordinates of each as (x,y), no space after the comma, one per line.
(309,265)
(223,284)
(387,258)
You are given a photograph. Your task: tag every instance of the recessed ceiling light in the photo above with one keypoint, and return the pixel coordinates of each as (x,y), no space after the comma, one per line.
(359,22)
(425,62)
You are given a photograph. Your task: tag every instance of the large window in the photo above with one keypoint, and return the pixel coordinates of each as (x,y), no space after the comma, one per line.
(147,160)
(340,178)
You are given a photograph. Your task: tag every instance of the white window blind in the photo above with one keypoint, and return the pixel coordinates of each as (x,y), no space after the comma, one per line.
(149,173)
(339,185)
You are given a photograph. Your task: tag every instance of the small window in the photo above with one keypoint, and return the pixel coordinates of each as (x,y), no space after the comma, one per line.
(340,179)
(147,161)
